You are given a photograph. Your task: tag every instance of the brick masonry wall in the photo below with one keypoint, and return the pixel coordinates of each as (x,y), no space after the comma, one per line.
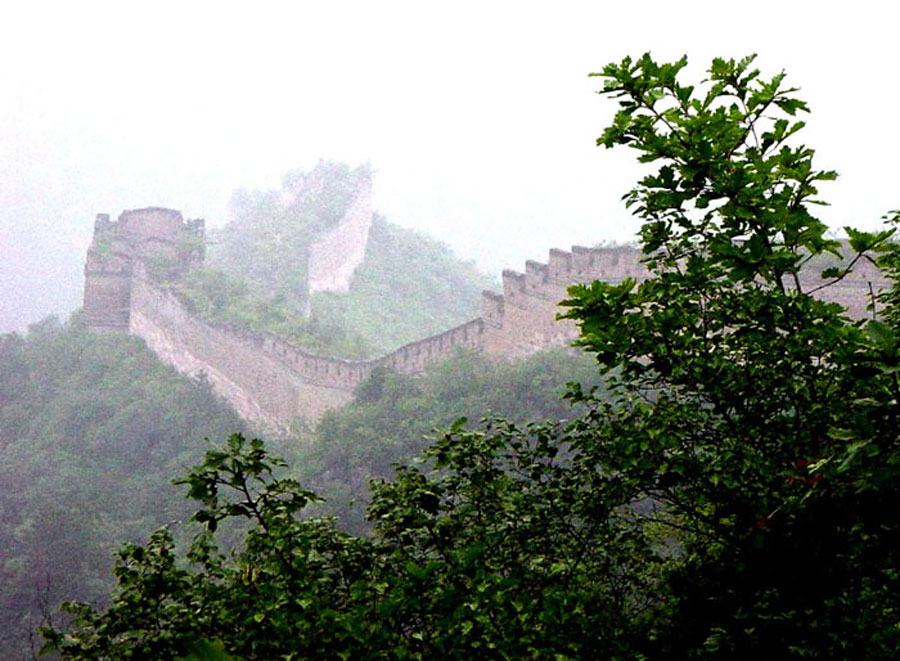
(262,386)
(335,256)
(523,319)
(270,382)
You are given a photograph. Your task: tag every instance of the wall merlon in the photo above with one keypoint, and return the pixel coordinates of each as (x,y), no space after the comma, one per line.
(513,283)
(541,284)
(102,223)
(619,262)
(582,261)
(536,274)
(492,308)
(560,263)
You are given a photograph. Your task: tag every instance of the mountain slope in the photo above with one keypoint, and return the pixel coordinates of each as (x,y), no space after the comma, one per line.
(408,285)
(92,430)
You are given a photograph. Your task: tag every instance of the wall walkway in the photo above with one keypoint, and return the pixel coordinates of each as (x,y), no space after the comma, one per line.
(271,382)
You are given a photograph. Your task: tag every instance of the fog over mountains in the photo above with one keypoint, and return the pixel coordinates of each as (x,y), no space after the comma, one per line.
(479,122)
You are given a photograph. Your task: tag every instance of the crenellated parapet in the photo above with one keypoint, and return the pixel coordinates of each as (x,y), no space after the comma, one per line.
(271,382)
(522,319)
(513,284)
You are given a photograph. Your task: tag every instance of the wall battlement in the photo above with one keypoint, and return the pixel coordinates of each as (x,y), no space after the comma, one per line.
(271,382)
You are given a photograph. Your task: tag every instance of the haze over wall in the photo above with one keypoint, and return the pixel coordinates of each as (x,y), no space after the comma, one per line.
(478,118)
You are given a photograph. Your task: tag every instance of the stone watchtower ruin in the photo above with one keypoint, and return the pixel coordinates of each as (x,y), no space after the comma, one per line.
(158,238)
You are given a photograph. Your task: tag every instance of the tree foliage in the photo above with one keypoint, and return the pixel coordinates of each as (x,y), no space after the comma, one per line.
(757,418)
(92,427)
(733,495)
(486,554)
(394,416)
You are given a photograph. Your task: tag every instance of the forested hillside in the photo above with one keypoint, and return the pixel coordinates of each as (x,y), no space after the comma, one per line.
(730,494)
(408,286)
(92,429)
(396,416)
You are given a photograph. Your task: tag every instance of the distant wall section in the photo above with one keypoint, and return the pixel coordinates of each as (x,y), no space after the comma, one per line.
(271,382)
(335,256)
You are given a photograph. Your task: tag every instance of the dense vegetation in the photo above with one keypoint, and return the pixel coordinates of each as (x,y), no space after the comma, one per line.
(733,495)
(91,430)
(408,287)
(92,427)
(394,418)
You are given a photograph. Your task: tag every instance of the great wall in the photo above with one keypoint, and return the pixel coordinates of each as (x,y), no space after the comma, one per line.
(271,383)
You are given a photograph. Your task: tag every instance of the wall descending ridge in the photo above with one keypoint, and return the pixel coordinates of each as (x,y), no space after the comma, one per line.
(272,383)
(252,372)
(335,256)
(268,381)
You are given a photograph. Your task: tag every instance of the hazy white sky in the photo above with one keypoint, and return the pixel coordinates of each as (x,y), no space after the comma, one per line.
(477,117)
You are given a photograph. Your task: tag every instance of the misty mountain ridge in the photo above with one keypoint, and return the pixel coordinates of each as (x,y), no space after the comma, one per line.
(315,265)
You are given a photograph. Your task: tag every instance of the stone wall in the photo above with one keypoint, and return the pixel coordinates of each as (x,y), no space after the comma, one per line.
(268,381)
(271,382)
(107,299)
(139,234)
(248,370)
(523,320)
(335,256)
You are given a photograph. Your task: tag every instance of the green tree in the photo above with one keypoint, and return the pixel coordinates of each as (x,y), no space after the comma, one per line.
(758,419)
(92,427)
(500,550)
(394,416)
(733,495)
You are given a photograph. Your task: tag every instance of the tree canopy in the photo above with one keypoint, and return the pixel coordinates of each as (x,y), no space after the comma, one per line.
(732,494)
(92,428)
